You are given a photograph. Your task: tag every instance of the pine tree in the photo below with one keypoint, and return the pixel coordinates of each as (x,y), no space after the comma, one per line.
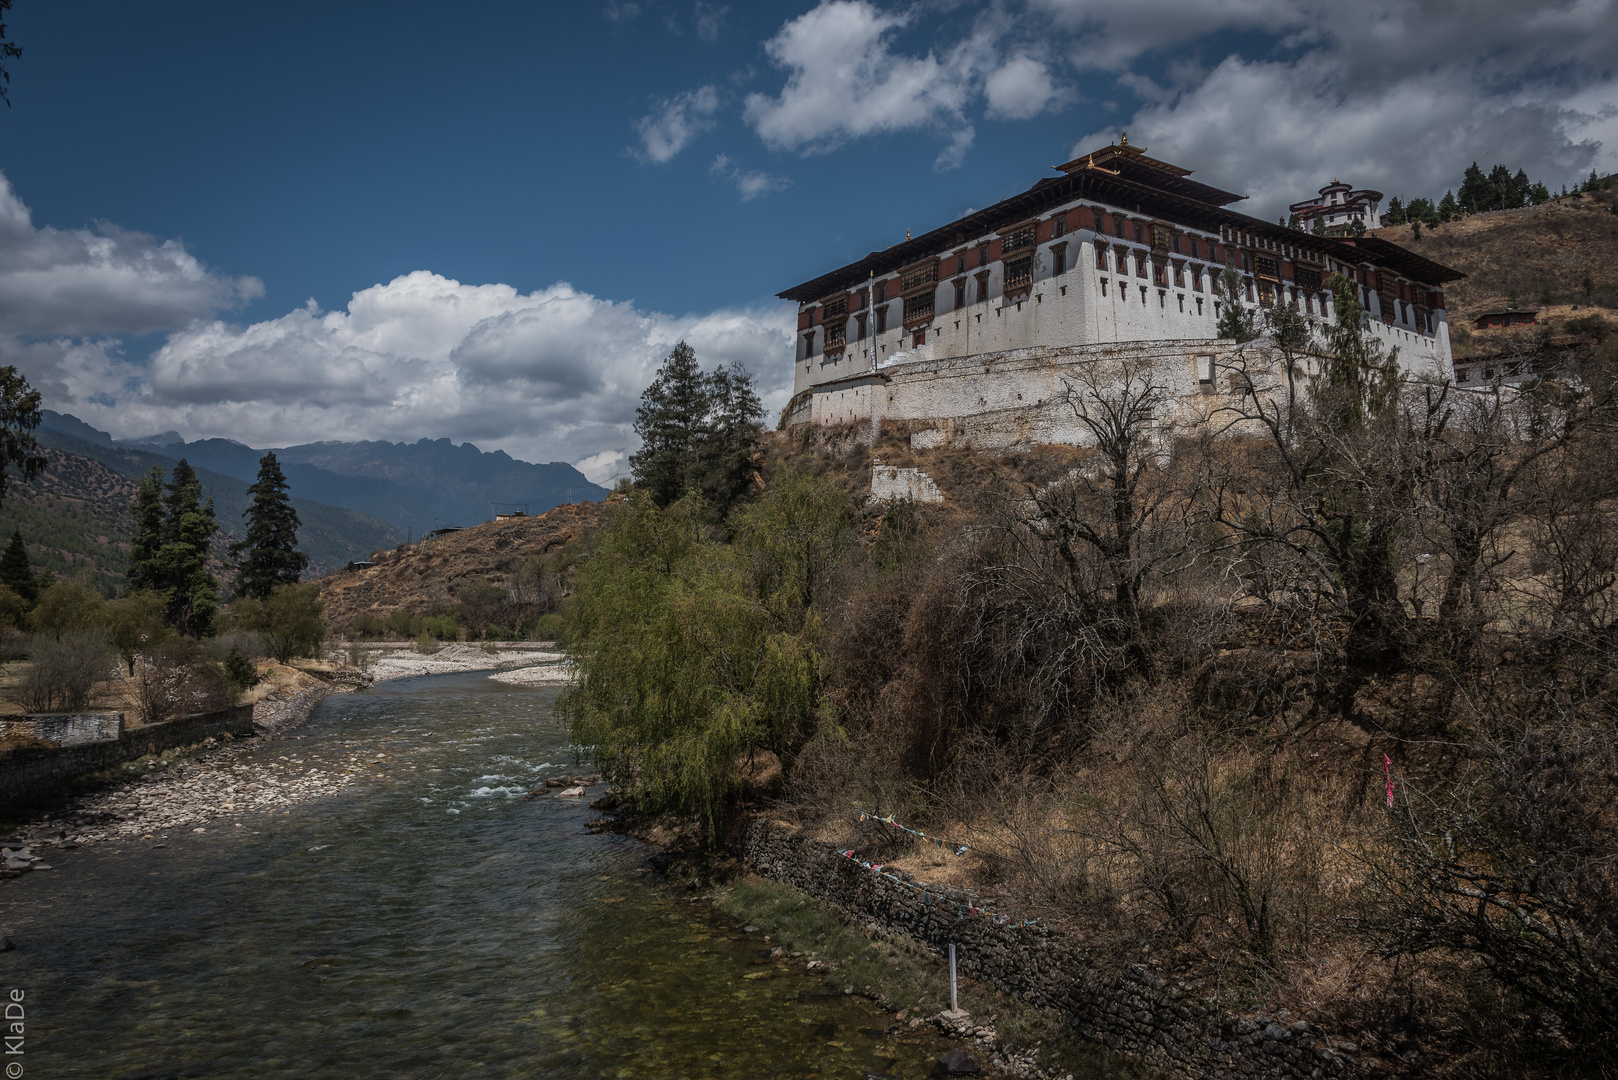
(1476,193)
(670,422)
(16,572)
(1539,194)
(1503,187)
(147,507)
(1524,189)
(19,416)
(1396,212)
(182,561)
(271,543)
(733,436)
(1448,207)
(1592,184)
(1236,320)
(698,432)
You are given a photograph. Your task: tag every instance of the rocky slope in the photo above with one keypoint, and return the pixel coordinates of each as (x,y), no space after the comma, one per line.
(432,576)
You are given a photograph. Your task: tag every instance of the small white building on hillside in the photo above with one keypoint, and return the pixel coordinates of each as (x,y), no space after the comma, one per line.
(1338,208)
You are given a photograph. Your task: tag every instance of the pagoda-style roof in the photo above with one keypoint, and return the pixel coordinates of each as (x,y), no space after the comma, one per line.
(1122,176)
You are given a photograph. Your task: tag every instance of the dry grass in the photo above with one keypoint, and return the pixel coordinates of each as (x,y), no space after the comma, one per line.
(1518,253)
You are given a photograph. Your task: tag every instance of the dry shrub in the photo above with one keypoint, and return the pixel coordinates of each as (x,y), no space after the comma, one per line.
(64,672)
(178,679)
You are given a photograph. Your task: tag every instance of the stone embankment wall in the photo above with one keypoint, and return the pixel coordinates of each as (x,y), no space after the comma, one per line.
(28,775)
(1133,1011)
(64,729)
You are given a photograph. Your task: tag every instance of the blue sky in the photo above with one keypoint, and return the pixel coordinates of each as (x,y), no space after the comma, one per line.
(489,221)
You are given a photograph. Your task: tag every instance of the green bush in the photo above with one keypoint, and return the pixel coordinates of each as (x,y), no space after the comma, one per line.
(240,671)
(402,625)
(292,621)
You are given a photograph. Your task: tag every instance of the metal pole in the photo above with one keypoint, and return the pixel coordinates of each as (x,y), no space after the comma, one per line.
(870,313)
(953,1007)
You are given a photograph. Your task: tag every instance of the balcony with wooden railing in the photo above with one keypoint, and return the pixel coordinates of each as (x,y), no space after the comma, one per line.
(918,310)
(836,337)
(1019,276)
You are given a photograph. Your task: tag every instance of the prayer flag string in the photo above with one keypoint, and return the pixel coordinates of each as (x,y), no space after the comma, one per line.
(951,846)
(932,898)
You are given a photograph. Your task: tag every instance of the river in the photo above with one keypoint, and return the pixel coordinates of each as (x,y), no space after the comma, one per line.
(426,922)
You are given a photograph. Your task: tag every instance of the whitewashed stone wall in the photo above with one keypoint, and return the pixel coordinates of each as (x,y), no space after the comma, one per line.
(65,729)
(892,482)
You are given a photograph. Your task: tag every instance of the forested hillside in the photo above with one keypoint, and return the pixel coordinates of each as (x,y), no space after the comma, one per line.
(74,518)
(330,536)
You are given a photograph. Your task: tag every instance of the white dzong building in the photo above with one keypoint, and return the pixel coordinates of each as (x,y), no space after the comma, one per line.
(973,329)
(1339,208)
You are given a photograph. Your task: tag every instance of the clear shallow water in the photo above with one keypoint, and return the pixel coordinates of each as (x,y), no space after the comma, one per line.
(427,922)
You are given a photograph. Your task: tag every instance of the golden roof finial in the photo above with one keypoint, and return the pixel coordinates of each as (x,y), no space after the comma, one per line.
(1125,140)
(907,234)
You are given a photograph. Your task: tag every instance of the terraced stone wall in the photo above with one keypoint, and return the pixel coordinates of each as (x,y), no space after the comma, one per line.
(1135,1010)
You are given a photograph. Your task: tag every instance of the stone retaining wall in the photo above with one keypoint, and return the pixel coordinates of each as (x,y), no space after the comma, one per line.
(30,775)
(65,729)
(1133,1011)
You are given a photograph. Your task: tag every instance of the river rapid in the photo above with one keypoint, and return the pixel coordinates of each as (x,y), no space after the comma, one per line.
(425,921)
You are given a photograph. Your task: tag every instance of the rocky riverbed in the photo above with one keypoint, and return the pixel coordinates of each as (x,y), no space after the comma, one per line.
(506,660)
(195,790)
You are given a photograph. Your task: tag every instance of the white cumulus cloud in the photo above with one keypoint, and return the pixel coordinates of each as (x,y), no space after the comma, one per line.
(845,80)
(83,282)
(554,374)
(1020,88)
(750,184)
(1393,96)
(676,123)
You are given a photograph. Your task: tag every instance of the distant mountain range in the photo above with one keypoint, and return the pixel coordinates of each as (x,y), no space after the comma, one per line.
(414,487)
(76,516)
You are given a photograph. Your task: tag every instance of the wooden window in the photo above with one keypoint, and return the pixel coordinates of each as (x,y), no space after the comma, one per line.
(960,264)
(919,340)
(1059,226)
(982,277)
(1266,292)
(859,321)
(1196,277)
(1140,233)
(960,294)
(1179,275)
(1140,264)
(1016,241)
(1266,266)
(834,309)
(809,344)
(919,276)
(1101,256)
(1306,279)
(1160,273)
(836,336)
(882,320)
(1019,275)
(1160,238)
(1058,259)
